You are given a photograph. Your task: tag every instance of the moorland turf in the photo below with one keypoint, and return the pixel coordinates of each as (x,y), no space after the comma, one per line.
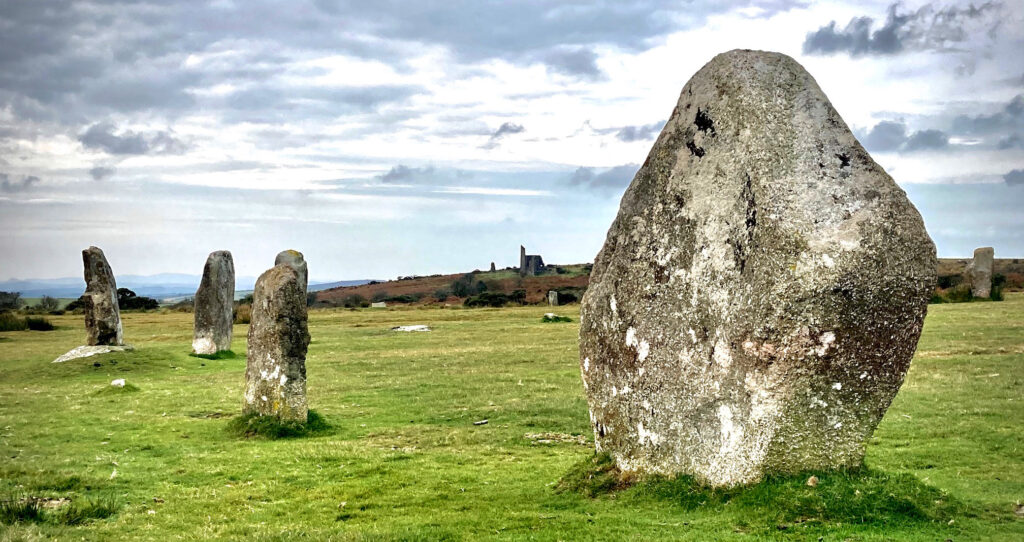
(398,455)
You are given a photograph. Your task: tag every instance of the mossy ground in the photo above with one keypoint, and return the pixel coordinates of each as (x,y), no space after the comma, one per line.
(403,459)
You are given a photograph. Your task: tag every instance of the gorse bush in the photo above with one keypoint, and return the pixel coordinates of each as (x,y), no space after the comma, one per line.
(12,322)
(243,314)
(48,304)
(38,324)
(354,301)
(10,300)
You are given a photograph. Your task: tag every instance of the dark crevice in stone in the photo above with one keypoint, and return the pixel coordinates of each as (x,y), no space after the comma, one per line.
(844,160)
(694,149)
(704,122)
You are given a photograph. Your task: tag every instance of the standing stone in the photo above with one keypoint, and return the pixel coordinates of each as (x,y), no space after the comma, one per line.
(102,315)
(214,305)
(553,298)
(295,260)
(493,268)
(979,272)
(761,292)
(275,375)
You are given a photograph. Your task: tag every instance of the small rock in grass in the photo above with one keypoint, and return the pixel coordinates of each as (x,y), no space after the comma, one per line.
(812,481)
(481,422)
(117,382)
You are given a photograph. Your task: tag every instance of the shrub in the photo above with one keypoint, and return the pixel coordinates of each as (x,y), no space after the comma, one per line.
(949,281)
(185,305)
(518,296)
(129,300)
(243,314)
(464,286)
(76,305)
(998,283)
(10,300)
(12,322)
(442,294)
(48,304)
(38,324)
(354,301)
(487,299)
(551,318)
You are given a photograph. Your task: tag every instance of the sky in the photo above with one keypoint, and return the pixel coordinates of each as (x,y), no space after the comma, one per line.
(393,138)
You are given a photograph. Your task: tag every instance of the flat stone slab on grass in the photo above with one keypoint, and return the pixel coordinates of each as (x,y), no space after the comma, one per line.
(418,327)
(86,351)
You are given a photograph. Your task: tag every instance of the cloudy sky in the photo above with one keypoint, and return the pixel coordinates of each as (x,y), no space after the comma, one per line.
(392,137)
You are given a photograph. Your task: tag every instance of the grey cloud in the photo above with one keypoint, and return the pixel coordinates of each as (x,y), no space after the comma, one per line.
(892,136)
(505,129)
(926,140)
(885,136)
(402,174)
(577,62)
(1013,141)
(616,178)
(639,133)
(1011,117)
(101,136)
(9,185)
(1014,178)
(99,173)
(926,29)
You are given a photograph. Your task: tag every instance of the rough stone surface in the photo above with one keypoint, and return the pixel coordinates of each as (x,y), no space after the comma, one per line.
(761,292)
(86,351)
(214,305)
(102,315)
(553,298)
(297,262)
(979,272)
(275,375)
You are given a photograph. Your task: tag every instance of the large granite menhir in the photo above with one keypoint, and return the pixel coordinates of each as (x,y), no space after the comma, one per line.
(102,314)
(979,272)
(275,375)
(761,292)
(214,305)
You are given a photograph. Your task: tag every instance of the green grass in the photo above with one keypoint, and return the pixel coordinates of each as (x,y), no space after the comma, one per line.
(403,459)
(222,354)
(256,426)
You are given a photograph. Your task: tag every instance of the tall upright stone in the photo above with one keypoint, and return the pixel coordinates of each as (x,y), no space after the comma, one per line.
(979,272)
(553,298)
(214,305)
(295,259)
(102,314)
(275,375)
(760,294)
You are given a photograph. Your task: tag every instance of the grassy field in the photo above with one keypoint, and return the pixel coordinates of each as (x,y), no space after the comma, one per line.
(404,459)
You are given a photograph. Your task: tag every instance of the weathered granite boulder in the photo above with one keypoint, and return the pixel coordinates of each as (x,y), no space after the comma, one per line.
(275,375)
(761,292)
(214,305)
(553,298)
(979,272)
(102,315)
(295,259)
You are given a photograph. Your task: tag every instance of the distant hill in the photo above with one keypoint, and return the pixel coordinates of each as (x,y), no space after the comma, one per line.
(160,286)
(575,276)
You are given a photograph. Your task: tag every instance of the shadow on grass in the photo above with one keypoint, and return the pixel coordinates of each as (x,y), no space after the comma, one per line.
(223,354)
(271,427)
(15,509)
(857,496)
